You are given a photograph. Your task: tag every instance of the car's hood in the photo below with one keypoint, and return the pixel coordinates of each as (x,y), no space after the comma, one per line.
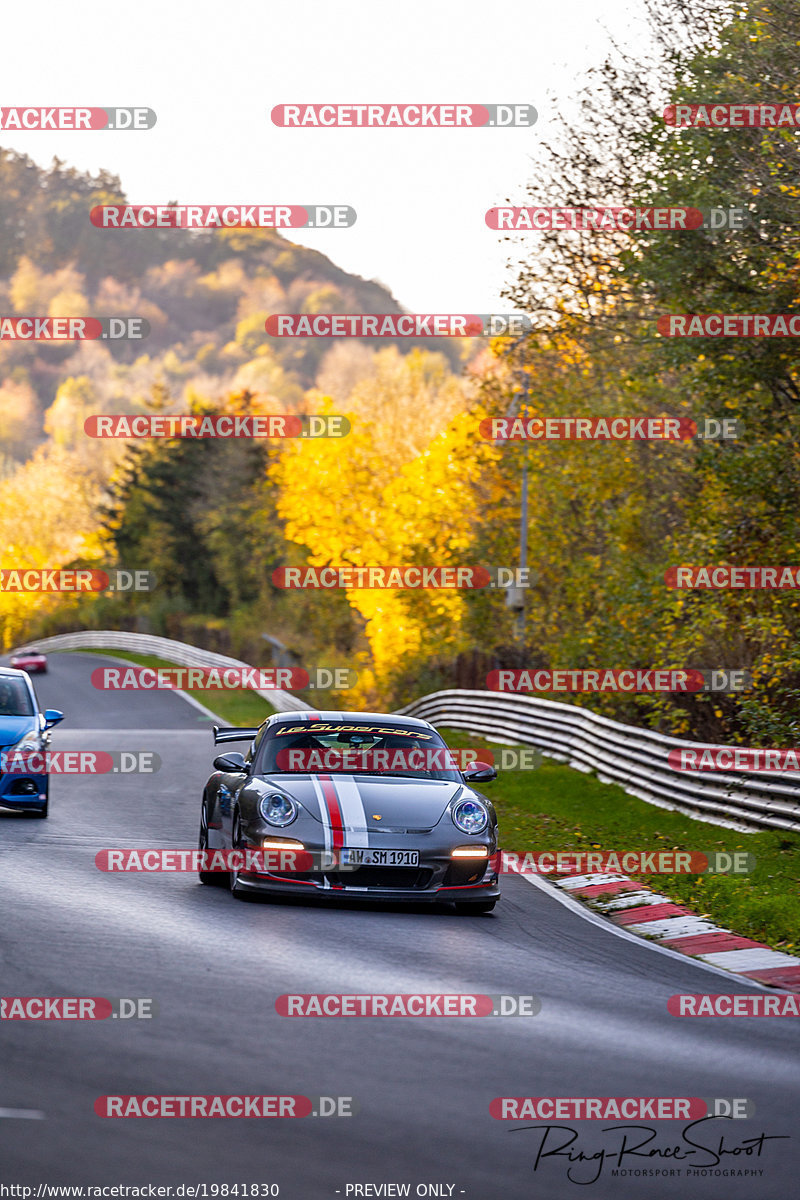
(12,728)
(400,804)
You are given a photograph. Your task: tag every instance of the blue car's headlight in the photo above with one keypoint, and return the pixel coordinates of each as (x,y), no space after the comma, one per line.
(278,809)
(29,742)
(470,816)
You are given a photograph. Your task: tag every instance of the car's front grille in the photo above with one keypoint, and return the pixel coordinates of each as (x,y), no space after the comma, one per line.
(383,877)
(364,877)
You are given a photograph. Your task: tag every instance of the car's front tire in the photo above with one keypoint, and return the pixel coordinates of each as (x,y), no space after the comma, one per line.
(233,876)
(209,878)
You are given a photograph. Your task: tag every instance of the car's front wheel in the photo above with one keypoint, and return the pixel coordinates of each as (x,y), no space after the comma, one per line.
(209,878)
(474,909)
(233,876)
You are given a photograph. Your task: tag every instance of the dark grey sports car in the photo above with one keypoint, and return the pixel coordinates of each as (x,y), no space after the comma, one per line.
(365,805)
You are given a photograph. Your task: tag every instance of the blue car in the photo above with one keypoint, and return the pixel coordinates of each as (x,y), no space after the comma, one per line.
(24,730)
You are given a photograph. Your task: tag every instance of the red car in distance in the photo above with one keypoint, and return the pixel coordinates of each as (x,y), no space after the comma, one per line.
(32,661)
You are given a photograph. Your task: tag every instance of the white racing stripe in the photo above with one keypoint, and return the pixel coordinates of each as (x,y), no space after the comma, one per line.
(354,818)
(324,818)
(22,1114)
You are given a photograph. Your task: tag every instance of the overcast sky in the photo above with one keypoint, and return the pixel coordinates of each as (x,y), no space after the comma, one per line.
(213,72)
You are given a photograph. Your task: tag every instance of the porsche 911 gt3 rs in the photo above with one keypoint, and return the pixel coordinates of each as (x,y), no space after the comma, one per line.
(371,803)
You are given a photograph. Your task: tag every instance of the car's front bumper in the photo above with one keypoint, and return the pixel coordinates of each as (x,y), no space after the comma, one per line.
(274,886)
(436,880)
(23,791)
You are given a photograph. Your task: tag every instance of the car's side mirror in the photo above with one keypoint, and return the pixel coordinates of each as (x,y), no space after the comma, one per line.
(479,772)
(230,763)
(51,717)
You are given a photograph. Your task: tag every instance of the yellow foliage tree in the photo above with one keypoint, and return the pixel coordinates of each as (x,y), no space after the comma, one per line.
(19,422)
(68,303)
(26,288)
(403,488)
(47,520)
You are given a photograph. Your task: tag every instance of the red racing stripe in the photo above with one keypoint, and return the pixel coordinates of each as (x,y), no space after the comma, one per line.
(334,813)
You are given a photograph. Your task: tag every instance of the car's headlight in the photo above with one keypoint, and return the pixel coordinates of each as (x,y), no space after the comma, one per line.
(470,816)
(30,741)
(277,809)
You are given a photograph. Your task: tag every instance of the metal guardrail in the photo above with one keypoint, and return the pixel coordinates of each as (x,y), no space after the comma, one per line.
(636,759)
(177,652)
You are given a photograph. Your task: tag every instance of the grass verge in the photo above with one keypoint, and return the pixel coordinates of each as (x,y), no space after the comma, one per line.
(557,808)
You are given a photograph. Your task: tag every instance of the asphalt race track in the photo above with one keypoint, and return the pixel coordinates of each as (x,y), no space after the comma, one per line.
(421,1086)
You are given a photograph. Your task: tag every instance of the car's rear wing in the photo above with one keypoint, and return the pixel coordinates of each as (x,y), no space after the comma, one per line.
(230,733)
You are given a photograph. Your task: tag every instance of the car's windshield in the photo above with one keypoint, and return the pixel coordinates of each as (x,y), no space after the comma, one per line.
(15,699)
(330,747)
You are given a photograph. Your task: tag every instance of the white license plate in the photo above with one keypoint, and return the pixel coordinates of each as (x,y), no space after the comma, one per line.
(379,858)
